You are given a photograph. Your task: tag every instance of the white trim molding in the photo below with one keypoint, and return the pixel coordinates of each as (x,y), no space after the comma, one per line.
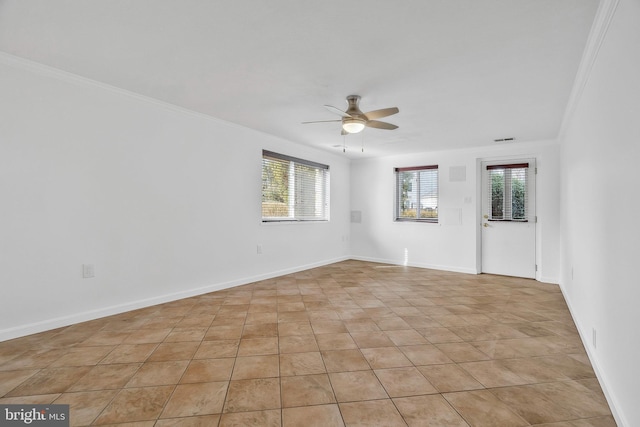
(50,324)
(601,22)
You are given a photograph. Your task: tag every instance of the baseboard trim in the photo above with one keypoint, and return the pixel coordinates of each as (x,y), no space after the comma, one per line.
(602,379)
(60,322)
(418,265)
(550,280)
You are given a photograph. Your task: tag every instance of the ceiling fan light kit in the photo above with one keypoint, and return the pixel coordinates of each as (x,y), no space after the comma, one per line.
(354,125)
(354,120)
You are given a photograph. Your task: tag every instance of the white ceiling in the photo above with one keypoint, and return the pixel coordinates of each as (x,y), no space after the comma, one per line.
(462,72)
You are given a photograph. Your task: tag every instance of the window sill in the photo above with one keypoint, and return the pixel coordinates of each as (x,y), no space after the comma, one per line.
(293,221)
(424,221)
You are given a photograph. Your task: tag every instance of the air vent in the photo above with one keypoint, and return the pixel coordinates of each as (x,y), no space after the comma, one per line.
(504,140)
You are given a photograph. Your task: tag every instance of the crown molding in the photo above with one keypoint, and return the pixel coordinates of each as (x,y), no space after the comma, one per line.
(604,15)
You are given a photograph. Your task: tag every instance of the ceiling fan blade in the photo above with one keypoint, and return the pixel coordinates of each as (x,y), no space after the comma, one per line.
(378,114)
(321,121)
(380,125)
(337,111)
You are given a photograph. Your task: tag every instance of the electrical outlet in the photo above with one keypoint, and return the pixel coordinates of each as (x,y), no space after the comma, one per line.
(88,271)
(259,249)
(593,337)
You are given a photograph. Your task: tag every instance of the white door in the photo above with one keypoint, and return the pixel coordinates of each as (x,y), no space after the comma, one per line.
(508,218)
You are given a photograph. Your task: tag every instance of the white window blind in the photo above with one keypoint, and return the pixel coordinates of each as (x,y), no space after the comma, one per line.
(417,194)
(507,192)
(294,189)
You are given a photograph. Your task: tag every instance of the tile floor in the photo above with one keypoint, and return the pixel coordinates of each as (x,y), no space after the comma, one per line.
(353,343)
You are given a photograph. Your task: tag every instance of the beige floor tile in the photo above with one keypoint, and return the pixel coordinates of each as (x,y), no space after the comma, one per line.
(135,404)
(385,357)
(356,386)
(531,405)
(373,413)
(129,353)
(49,381)
(392,323)
(224,332)
(293,317)
(106,377)
(483,409)
(35,399)
(571,395)
(328,326)
(261,318)
(202,421)
(181,335)
(11,379)
(196,399)
(406,337)
(85,406)
(106,338)
(32,359)
(83,356)
(257,355)
(261,330)
(294,328)
(306,390)
(312,416)
(462,352)
(144,336)
(437,335)
(268,418)
(361,325)
(449,377)
(428,411)
(208,370)
(344,360)
(535,370)
(427,354)
(401,382)
(249,367)
(568,366)
(301,364)
(158,373)
(258,346)
(216,349)
(253,395)
(492,373)
(371,339)
(298,344)
(174,351)
(342,341)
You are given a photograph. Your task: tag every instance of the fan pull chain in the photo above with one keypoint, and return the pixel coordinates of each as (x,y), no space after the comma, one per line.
(362,138)
(344,143)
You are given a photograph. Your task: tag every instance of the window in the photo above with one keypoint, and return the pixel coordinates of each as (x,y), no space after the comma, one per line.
(507,192)
(417,194)
(294,189)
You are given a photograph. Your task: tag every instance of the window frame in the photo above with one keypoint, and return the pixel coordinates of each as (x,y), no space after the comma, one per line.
(508,192)
(324,196)
(397,196)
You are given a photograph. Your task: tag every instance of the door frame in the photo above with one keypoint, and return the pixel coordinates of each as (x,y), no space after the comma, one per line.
(479,218)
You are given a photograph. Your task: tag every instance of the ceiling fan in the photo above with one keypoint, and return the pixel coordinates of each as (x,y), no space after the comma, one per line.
(354,121)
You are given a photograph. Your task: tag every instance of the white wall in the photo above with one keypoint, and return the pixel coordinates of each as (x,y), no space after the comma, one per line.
(164,202)
(453,243)
(600,156)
